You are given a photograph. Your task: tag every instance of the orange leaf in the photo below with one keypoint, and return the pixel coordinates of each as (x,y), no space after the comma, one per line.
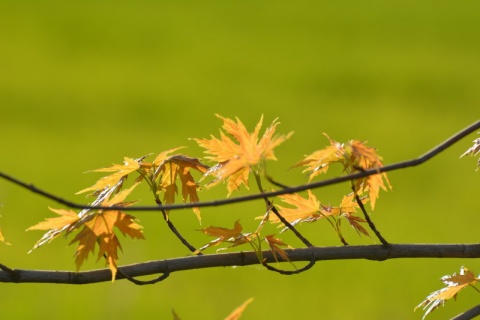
(171,167)
(275,244)
(354,156)
(109,245)
(355,223)
(363,156)
(319,161)
(100,229)
(234,236)
(237,313)
(224,233)
(242,154)
(304,209)
(119,172)
(67,217)
(66,222)
(454,284)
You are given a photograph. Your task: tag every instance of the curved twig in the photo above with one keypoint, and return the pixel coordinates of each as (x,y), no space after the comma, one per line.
(399,165)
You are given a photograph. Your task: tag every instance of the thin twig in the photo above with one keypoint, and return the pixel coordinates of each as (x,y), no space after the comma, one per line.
(369,221)
(141,282)
(290,226)
(399,165)
(271,207)
(174,229)
(310,264)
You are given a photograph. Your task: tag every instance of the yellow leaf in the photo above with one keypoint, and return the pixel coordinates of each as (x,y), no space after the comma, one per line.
(355,156)
(237,313)
(454,284)
(67,217)
(66,222)
(118,199)
(319,161)
(100,229)
(119,172)
(2,239)
(304,209)
(242,154)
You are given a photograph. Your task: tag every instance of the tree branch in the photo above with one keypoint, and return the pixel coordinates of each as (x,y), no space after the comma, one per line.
(469,314)
(168,266)
(399,165)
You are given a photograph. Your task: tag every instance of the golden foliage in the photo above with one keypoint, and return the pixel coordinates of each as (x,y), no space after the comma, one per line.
(454,284)
(355,156)
(237,157)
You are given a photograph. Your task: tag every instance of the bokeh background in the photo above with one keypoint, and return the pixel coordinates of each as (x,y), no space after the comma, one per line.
(83,84)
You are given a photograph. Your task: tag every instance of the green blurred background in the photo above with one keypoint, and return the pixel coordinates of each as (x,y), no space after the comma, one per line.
(83,84)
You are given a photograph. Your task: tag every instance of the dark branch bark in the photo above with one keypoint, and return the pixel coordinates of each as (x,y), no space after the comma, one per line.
(469,314)
(169,266)
(399,165)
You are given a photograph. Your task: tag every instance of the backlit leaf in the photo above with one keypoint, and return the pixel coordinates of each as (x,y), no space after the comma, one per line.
(473,151)
(67,217)
(233,236)
(275,245)
(169,168)
(237,313)
(119,171)
(242,154)
(303,209)
(454,284)
(355,156)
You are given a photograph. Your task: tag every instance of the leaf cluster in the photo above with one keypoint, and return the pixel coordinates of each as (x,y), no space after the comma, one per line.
(237,155)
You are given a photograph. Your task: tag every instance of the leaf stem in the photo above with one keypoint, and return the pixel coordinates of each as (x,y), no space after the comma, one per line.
(172,228)
(369,221)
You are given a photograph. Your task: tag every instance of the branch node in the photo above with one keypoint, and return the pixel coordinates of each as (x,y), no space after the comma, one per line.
(14,274)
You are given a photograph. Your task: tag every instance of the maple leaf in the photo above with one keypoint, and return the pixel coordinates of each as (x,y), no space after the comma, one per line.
(362,158)
(275,244)
(240,155)
(311,210)
(355,156)
(319,161)
(304,209)
(168,168)
(98,228)
(237,313)
(67,217)
(234,236)
(473,151)
(57,225)
(454,284)
(120,171)
(348,208)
